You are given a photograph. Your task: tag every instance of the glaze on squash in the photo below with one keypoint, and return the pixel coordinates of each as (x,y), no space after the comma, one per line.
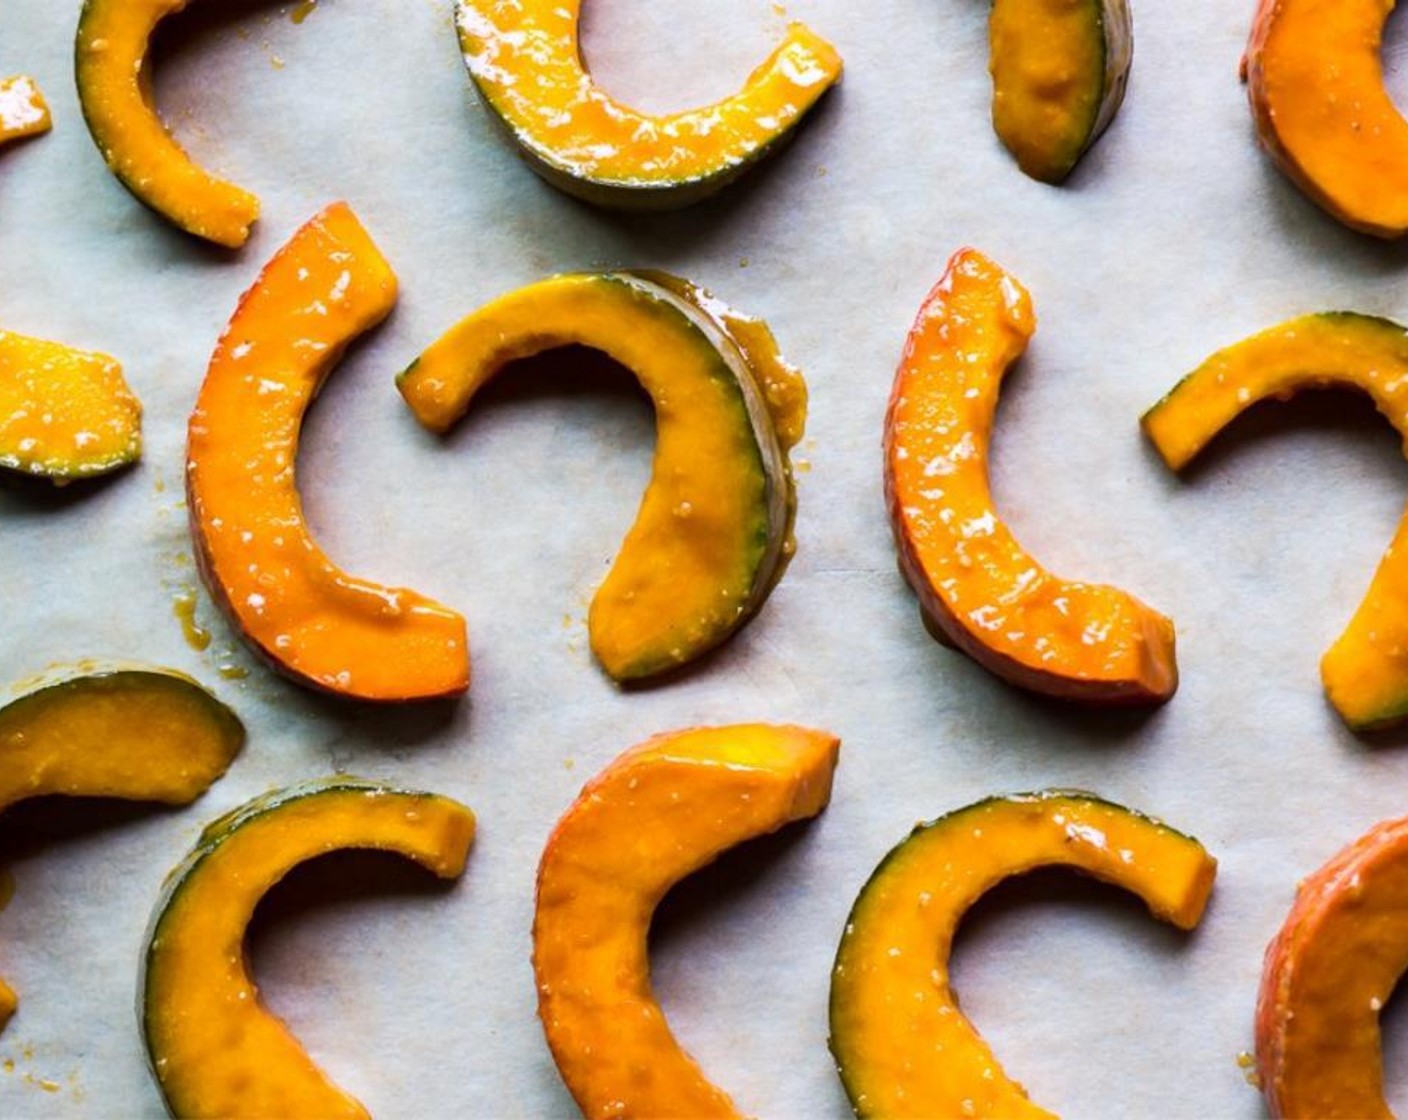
(1316,85)
(113,71)
(310,619)
(977,588)
(658,813)
(1059,71)
(134,733)
(23,110)
(526,61)
(214,1048)
(64,413)
(902,1045)
(1365,672)
(713,533)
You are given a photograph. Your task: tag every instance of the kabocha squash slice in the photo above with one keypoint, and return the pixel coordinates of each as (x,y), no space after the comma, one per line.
(526,62)
(129,732)
(23,110)
(978,589)
(1365,673)
(659,812)
(1059,71)
(1315,81)
(1327,974)
(310,619)
(65,413)
(713,533)
(113,72)
(902,1045)
(214,1048)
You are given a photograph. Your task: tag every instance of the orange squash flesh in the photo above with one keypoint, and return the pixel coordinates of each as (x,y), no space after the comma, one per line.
(214,1048)
(310,619)
(525,59)
(659,812)
(902,1045)
(114,89)
(976,585)
(132,733)
(1365,673)
(1316,85)
(1328,972)
(64,413)
(23,110)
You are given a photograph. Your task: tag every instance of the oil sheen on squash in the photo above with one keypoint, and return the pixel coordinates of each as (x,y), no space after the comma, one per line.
(115,92)
(23,110)
(1059,69)
(64,413)
(214,1048)
(526,61)
(713,531)
(1365,673)
(655,815)
(978,589)
(902,1045)
(310,619)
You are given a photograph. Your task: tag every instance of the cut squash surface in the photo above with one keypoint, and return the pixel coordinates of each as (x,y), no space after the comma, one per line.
(23,110)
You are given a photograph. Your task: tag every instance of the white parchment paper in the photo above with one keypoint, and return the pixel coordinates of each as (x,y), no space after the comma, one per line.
(1173,238)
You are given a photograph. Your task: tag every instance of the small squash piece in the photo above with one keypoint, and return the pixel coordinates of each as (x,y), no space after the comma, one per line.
(978,589)
(65,414)
(135,733)
(23,110)
(1316,85)
(658,813)
(1059,71)
(713,533)
(214,1048)
(902,1045)
(310,619)
(526,62)
(1327,974)
(1365,673)
(113,72)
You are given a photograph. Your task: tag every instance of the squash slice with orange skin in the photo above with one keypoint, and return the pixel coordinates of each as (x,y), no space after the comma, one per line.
(714,531)
(902,1045)
(23,110)
(978,589)
(215,1050)
(658,813)
(1315,80)
(1327,974)
(526,61)
(65,413)
(1365,673)
(311,620)
(124,731)
(113,72)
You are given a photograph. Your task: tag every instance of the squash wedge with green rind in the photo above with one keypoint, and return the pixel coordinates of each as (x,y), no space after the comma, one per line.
(713,531)
(1365,672)
(214,1048)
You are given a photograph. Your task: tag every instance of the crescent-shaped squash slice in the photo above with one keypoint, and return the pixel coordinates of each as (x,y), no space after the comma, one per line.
(1327,974)
(902,1045)
(713,533)
(23,110)
(526,61)
(1316,85)
(1365,672)
(214,1048)
(310,619)
(978,589)
(138,734)
(659,812)
(1059,71)
(115,93)
(64,413)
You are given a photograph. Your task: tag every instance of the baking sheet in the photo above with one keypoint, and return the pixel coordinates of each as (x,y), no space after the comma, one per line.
(1173,238)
